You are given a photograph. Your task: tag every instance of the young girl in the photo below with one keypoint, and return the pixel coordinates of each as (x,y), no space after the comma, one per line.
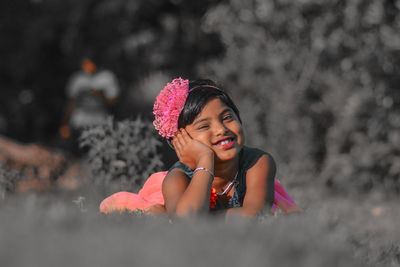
(216,172)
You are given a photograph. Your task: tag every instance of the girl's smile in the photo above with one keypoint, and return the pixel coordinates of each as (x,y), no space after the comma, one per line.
(225,143)
(218,127)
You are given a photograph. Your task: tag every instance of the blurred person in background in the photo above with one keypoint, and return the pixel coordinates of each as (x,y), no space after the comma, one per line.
(91,93)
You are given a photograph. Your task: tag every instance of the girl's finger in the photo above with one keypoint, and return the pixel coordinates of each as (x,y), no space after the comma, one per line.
(173,142)
(178,154)
(179,139)
(185,135)
(175,145)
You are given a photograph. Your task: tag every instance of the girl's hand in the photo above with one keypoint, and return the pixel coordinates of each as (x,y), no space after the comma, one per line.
(189,151)
(156,209)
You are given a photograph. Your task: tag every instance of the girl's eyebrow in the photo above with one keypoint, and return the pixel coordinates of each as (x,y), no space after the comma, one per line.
(226,110)
(201,120)
(206,119)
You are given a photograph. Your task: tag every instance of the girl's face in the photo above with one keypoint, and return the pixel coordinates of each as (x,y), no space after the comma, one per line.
(218,127)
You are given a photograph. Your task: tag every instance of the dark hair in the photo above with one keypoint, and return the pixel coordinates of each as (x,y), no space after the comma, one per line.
(200,93)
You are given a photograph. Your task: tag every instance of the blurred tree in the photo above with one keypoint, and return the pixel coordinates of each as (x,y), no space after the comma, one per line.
(321,77)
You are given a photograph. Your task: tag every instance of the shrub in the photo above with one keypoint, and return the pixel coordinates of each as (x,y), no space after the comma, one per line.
(8,178)
(322,77)
(123,154)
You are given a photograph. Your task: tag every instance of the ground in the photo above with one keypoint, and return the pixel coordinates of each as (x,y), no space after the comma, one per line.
(64,228)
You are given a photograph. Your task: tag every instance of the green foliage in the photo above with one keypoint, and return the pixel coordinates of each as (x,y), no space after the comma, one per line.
(319,80)
(122,154)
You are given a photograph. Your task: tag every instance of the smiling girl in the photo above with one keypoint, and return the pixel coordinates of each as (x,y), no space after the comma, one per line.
(216,172)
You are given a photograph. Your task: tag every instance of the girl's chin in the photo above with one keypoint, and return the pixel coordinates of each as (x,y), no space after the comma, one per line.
(223,156)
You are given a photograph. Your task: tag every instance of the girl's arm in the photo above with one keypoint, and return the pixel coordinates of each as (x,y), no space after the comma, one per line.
(258,189)
(183,196)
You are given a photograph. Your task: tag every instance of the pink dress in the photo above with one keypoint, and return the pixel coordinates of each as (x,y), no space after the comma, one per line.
(151,194)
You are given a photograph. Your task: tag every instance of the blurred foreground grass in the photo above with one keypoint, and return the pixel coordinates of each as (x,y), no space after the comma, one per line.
(65,229)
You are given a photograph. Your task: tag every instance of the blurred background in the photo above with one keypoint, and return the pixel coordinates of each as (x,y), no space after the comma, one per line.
(317,82)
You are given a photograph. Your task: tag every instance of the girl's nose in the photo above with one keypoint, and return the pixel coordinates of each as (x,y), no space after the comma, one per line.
(220,129)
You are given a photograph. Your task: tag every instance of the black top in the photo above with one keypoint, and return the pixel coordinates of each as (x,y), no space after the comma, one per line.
(247,158)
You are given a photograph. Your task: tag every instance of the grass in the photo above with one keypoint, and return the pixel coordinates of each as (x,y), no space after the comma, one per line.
(65,229)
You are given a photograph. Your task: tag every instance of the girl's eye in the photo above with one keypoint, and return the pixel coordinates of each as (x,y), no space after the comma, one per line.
(227,117)
(203,127)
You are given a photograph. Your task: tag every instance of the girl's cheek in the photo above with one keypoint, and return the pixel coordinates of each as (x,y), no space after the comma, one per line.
(204,139)
(196,136)
(243,139)
(241,134)
(191,132)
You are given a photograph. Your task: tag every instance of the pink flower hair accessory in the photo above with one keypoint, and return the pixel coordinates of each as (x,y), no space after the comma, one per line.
(168,105)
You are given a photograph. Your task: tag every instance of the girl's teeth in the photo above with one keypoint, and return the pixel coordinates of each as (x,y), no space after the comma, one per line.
(224,142)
